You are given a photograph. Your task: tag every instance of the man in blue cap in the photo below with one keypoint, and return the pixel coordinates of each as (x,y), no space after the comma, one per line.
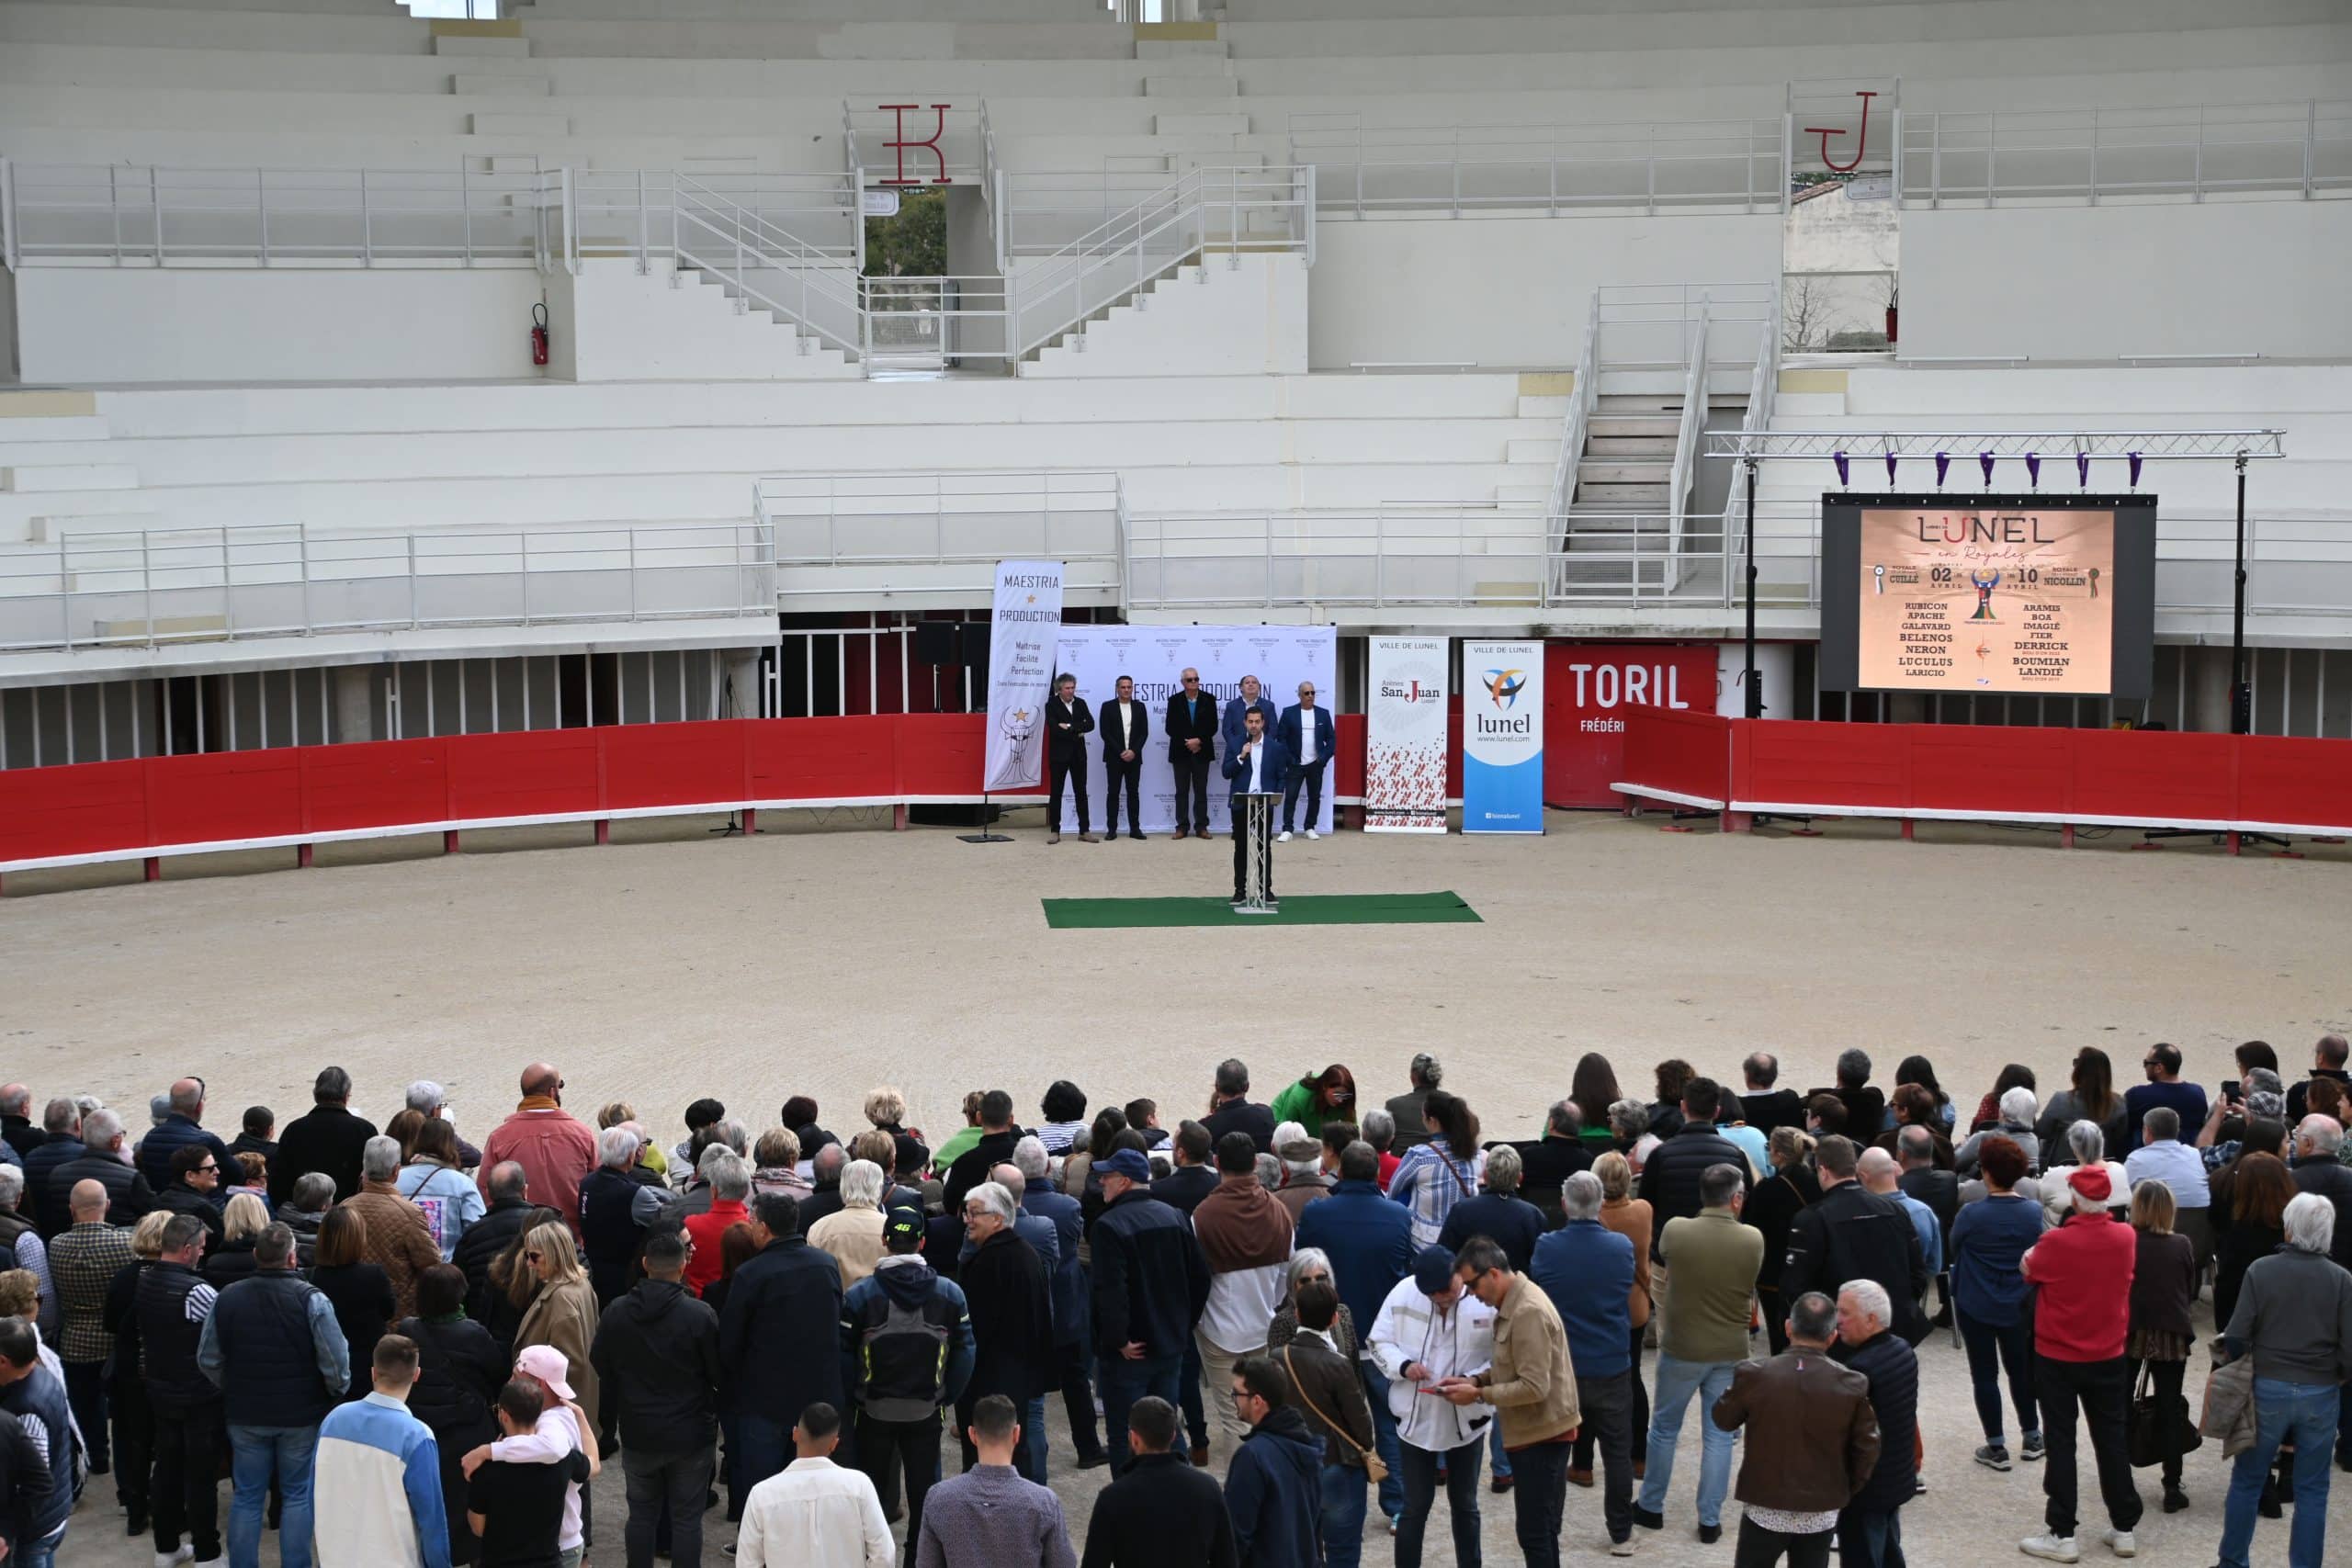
(1151,1282)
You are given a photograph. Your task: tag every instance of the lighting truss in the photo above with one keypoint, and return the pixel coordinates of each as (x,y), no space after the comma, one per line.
(2149,445)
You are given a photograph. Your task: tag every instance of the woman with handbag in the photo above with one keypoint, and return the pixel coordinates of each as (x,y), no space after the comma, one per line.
(2163,1284)
(1330,1394)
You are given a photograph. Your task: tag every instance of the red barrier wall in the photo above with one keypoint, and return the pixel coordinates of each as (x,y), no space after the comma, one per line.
(1994,772)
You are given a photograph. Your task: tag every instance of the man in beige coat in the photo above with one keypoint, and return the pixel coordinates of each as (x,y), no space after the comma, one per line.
(1532,1387)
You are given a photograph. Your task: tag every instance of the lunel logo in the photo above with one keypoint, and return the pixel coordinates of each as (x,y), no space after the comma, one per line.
(1504,686)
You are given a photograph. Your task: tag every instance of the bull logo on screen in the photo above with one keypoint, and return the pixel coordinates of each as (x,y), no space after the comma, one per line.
(1504,686)
(1984,583)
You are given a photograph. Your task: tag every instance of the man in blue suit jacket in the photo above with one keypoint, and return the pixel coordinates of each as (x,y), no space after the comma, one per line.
(1307,731)
(1258,765)
(1230,730)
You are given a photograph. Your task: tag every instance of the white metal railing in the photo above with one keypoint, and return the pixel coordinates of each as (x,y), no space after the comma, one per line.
(2300,149)
(632,212)
(963,521)
(1686,441)
(1583,393)
(1201,212)
(147,589)
(764,264)
(1763,390)
(1650,166)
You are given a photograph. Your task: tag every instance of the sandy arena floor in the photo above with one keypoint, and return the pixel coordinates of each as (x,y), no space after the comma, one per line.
(821,960)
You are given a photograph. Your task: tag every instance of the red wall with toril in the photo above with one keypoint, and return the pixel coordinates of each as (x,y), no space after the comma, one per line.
(1588,686)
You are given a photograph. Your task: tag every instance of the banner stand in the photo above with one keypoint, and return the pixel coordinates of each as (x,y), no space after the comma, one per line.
(1024,628)
(984,836)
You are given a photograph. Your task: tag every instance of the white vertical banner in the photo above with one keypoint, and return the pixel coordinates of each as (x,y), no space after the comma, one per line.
(1404,744)
(1156,658)
(1022,631)
(1502,737)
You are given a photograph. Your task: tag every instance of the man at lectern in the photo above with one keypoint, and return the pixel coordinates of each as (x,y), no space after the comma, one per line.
(1257,768)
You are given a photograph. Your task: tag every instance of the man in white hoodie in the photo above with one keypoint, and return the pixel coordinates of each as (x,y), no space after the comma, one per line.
(1429,1329)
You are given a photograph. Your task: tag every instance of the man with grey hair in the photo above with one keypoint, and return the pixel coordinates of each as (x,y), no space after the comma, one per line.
(2018,1109)
(2260,1098)
(329,1138)
(16,1130)
(180,1124)
(2294,1317)
(102,1159)
(610,1228)
(61,1141)
(1070,1290)
(1881,1175)
(2319,1168)
(1405,1111)
(169,1310)
(21,1245)
(2161,1157)
(1813,1441)
(1939,1191)
(1499,1212)
(429,1099)
(851,1235)
(399,1241)
(1870,1531)
(1301,1180)
(274,1350)
(825,1168)
(1587,1270)
(1010,1293)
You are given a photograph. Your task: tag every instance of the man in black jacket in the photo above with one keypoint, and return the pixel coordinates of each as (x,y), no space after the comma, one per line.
(656,1355)
(17,1129)
(1151,1284)
(1768,1107)
(1194,1176)
(1009,1293)
(171,1308)
(196,1177)
(1870,1531)
(1068,723)
(274,1350)
(998,1137)
(1161,1512)
(1938,1190)
(1124,727)
(1192,727)
(102,1159)
(1855,1235)
(330,1139)
(1232,1110)
(1670,1176)
(509,1212)
(779,1340)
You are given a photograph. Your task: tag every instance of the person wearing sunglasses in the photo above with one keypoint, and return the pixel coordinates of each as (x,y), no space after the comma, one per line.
(1306,730)
(196,1177)
(1192,729)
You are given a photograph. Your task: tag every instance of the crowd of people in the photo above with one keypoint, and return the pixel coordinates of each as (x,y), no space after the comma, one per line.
(404,1349)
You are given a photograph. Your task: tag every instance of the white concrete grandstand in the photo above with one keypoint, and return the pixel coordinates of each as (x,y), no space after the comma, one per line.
(1359,311)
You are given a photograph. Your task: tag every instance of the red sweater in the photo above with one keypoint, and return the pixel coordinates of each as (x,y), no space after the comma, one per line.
(707,1232)
(2084,1268)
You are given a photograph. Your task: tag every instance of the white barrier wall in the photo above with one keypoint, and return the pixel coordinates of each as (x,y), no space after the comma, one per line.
(1506,291)
(79,325)
(2103,282)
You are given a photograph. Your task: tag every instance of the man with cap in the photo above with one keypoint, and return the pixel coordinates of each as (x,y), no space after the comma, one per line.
(1151,1284)
(907,1336)
(2083,1270)
(1430,1329)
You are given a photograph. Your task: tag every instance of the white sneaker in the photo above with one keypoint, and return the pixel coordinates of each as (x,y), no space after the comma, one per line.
(1620,1549)
(1285,839)
(1313,834)
(2055,1548)
(2120,1542)
(171,1559)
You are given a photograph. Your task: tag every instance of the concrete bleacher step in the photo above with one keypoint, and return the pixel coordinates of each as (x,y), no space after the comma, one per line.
(1536,449)
(1658,449)
(521,124)
(1157,49)
(1223,158)
(498,85)
(40,478)
(45,428)
(1622,497)
(1520,494)
(483,48)
(1159,86)
(50,528)
(1201,125)
(1622,471)
(1543,407)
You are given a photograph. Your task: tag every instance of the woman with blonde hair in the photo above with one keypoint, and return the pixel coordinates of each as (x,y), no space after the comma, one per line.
(242,1224)
(775,1166)
(1773,1209)
(2164,1285)
(563,1316)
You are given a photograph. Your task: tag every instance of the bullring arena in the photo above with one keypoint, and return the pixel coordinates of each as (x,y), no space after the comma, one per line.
(1818,526)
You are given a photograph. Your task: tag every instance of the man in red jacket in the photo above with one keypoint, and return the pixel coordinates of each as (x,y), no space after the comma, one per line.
(555,1149)
(2084,1269)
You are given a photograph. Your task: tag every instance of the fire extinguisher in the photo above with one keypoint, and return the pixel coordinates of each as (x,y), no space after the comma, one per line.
(538,334)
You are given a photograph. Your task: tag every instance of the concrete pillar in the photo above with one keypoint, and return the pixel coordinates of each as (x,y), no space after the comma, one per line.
(1907,707)
(2209,689)
(352,720)
(742,698)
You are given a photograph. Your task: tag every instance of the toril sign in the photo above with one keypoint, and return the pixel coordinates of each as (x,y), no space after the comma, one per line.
(1587,688)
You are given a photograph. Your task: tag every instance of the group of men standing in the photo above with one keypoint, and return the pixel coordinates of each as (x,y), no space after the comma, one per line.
(1286,753)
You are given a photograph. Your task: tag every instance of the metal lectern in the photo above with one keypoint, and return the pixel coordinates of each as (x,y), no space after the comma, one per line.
(1258,859)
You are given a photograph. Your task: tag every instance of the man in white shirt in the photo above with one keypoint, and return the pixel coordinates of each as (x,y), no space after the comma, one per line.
(1125,729)
(1257,766)
(812,1512)
(2164,1157)
(1307,731)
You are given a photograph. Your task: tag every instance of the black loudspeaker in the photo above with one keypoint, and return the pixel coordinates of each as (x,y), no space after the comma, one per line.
(976,644)
(934,642)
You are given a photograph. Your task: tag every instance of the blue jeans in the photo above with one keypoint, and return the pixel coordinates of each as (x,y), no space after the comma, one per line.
(2307,1413)
(260,1454)
(1343,1510)
(1033,1438)
(40,1553)
(1498,1454)
(1420,1497)
(1678,1380)
(1541,1500)
(1384,1439)
(1123,1383)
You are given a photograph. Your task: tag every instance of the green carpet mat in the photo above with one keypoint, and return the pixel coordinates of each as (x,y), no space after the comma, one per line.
(1298,909)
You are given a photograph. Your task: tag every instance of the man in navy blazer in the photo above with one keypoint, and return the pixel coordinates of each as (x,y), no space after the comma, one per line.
(1258,765)
(1192,730)
(1305,732)
(1248,699)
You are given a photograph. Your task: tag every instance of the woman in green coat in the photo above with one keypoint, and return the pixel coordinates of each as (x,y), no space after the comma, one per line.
(1326,1096)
